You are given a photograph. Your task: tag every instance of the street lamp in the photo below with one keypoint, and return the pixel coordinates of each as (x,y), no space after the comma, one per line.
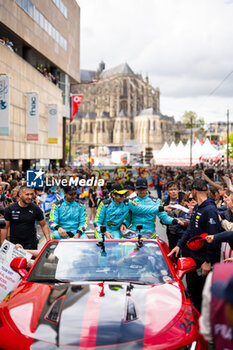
(228,139)
(191,139)
(70,129)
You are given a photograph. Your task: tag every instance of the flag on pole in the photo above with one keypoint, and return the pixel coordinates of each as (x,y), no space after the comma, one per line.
(76,100)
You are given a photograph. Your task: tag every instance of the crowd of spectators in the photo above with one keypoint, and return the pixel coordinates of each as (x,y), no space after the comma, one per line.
(8,43)
(219,179)
(190,187)
(43,70)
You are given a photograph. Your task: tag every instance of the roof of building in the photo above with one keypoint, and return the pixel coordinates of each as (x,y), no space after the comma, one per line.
(166,117)
(87,75)
(121,69)
(123,113)
(147,111)
(188,131)
(151,111)
(104,114)
(89,115)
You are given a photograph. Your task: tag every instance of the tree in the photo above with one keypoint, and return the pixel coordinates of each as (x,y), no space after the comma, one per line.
(177,136)
(196,122)
(230,145)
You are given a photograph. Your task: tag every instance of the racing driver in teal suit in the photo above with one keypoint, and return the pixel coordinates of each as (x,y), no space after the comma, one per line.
(68,217)
(144,199)
(113,211)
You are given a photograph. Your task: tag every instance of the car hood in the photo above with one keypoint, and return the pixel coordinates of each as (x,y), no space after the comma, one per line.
(94,314)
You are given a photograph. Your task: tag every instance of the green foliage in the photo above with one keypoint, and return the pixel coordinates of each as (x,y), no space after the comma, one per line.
(177,136)
(231,145)
(67,148)
(197,122)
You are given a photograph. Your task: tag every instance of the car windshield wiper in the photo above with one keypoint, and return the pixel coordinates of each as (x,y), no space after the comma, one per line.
(118,280)
(48,280)
(132,281)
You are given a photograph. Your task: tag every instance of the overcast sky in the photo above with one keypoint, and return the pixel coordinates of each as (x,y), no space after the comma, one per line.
(184,46)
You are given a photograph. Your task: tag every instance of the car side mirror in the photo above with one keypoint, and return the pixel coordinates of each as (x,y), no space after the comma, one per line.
(185,265)
(19,264)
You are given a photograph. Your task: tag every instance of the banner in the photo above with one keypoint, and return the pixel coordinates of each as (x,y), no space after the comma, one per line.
(76,100)
(4,105)
(52,124)
(32,117)
(9,279)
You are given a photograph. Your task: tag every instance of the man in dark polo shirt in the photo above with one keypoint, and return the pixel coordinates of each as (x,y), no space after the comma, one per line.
(20,218)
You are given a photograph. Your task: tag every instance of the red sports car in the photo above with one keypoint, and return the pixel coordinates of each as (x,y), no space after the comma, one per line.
(85,294)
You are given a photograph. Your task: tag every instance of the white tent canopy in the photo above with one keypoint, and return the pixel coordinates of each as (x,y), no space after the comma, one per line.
(208,150)
(163,152)
(180,154)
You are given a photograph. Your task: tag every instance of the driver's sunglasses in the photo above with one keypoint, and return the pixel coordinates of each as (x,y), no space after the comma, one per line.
(190,199)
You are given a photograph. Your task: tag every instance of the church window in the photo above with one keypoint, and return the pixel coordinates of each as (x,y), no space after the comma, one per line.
(123,106)
(131,127)
(73,128)
(125,89)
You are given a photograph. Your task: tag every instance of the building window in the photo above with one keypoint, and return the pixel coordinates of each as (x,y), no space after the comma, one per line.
(127,126)
(123,106)
(122,126)
(91,128)
(125,90)
(131,128)
(60,5)
(73,129)
(154,125)
(103,127)
(37,16)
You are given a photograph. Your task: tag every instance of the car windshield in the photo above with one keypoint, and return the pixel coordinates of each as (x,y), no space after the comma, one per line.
(65,261)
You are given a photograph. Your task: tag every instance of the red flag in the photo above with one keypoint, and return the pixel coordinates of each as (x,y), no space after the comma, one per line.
(76,100)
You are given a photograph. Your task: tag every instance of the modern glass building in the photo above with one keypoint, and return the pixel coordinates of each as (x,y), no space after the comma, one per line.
(39,62)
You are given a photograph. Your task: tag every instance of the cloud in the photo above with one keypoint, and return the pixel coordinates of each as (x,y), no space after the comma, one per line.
(184,46)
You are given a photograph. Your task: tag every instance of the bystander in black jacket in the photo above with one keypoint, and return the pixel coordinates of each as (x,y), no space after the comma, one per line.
(204,219)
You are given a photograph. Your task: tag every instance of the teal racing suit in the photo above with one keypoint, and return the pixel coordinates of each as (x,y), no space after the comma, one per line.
(71,216)
(112,215)
(148,221)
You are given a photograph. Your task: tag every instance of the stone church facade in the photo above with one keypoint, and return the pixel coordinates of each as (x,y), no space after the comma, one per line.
(119,105)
